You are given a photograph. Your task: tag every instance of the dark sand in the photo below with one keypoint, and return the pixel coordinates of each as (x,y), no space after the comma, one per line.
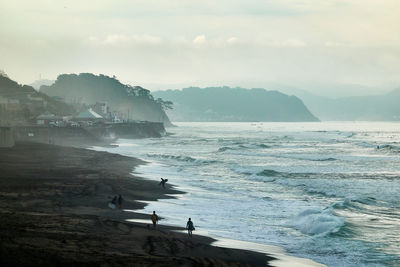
(53,208)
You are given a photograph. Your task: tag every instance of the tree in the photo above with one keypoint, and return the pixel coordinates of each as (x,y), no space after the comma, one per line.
(165,105)
(2,73)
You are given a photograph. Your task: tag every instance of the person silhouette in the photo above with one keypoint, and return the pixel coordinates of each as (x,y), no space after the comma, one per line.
(190,227)
(120,200)
(163,181)
(154,219)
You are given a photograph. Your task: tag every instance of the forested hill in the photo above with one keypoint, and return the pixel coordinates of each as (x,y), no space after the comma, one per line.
(234,104)
(133,102)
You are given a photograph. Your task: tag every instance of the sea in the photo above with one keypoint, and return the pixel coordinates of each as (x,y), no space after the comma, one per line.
(326,191)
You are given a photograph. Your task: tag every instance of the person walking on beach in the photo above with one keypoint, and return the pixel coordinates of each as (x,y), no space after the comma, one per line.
(154,219)
(163,181)
(120,200)
(190,227)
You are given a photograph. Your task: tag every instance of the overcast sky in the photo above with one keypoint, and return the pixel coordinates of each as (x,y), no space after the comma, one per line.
(174,43)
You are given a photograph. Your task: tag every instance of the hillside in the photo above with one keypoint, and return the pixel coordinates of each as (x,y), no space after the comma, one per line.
(383,107)
(132,102)
(234,104)
(21,104)
(38,83)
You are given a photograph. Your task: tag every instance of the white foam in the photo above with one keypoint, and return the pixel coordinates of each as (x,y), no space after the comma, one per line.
(316,222)
(282,259)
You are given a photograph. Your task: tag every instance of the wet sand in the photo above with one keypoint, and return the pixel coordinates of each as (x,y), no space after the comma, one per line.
(54,211)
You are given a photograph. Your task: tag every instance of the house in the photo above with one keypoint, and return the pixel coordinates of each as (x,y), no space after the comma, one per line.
(9,104)
(47,119)
(36,101)
(88,115)
(101,109)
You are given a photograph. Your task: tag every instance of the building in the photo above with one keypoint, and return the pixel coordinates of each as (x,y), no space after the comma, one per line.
(102,109)
(9,104)
(88,115)
(47,119)
(36,101)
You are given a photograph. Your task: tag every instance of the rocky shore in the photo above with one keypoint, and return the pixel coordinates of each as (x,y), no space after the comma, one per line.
(54,211)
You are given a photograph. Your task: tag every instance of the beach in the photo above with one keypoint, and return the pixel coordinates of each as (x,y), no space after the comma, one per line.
(321,191)
(54,210)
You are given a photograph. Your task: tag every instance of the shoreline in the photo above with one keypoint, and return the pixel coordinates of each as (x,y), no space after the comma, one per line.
(53,201)
(279,254)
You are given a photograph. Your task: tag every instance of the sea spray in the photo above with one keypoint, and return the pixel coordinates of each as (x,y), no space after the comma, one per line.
(316,222)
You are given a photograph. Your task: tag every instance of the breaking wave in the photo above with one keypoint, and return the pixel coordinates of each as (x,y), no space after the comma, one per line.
(317,222)
(388,148)
(182,158)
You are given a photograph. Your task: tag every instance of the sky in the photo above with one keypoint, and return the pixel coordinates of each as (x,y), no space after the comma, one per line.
(168,44)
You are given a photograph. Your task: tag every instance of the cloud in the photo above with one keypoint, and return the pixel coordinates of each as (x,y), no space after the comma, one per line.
(124,40)
(232,40)
(337,44)
(293,43)
(172,40)
(116,39)
(199,40)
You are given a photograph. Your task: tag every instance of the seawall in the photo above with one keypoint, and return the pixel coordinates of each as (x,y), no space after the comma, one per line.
(64,136)
(6,137)
(92,135)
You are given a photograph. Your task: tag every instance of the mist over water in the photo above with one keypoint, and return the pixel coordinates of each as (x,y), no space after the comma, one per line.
(325,191)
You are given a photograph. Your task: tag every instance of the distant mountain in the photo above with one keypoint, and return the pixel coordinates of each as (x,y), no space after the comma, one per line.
(21,104)
(335,90)
(234,104)
(382,107)
(36,84)
(132,102)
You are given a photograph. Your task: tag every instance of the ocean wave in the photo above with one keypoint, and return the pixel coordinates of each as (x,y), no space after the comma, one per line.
(324,159)
(262,179)
(388,148)
(224,148)
(320,192)
(241,146)
(367,200)
(262,146)
(182,158)
(271,173)
(356,204)
(347,134)
(301,157)
(317,222)
(367,145)
(166,156)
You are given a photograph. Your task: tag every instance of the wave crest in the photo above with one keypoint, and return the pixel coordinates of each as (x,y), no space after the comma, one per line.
(317,222)
(182,158)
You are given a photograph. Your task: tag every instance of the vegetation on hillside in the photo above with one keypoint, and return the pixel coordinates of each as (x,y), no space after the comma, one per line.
(132,102)
(21,104)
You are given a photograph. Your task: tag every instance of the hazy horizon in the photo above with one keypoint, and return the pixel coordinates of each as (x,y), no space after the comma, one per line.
(162,44)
